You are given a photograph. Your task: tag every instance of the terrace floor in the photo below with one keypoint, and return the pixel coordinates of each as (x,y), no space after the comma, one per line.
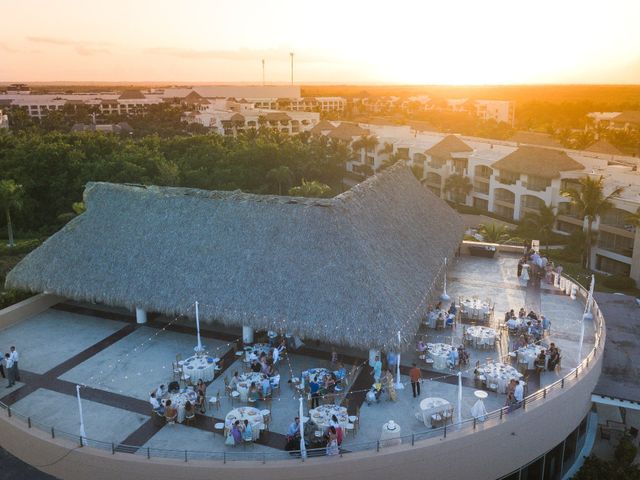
(118,363)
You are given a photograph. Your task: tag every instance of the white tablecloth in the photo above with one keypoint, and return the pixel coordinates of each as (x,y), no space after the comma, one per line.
(245,383)
(482,335)
(390,435)
(200,368)
(178,401)
(528,355)
(253,415)
(320,373)
(432,405)
(500,374)
(479,411)
(321,416)
(255,350)
(439,352)
(474,307)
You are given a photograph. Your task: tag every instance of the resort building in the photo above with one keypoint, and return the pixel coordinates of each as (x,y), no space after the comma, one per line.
(511,179)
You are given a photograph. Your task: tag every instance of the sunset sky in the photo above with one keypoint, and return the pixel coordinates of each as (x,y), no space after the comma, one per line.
(407,42)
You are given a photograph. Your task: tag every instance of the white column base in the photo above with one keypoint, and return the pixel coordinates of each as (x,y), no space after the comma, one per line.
(141,315)
(247,335)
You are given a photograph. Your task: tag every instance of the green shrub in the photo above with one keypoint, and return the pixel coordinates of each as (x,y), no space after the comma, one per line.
(21,247)
(10,297)
(625,451)
(619,282)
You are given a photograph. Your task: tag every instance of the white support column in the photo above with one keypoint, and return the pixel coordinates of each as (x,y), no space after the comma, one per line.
(141,315)
(247,334)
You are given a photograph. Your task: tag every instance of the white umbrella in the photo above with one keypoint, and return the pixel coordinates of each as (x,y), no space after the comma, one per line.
(303,447)
(82,432)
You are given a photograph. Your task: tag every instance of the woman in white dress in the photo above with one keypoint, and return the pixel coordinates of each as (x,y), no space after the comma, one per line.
(332,442)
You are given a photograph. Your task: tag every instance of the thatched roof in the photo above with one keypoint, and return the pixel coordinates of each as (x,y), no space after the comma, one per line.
(602,146)
(351,270)
(347,131)
(535,138)
(322,126)
(448,145)
(542,162)
(132,95)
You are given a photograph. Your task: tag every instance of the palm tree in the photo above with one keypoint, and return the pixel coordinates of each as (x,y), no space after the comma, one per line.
(366,142)
(590,203)
(10,198)
(494,233)
(312,189)
(459,186)
(280,175)
(541,223)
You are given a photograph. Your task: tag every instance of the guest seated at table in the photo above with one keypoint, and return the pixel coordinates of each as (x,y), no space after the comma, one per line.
(453,359)
(161,391)
(554,358)
(155,404)
(293,432)
(201,387)
(233,383)
(421,347)
(201,402)
(453,309)
(264,366)
(540,361)
(170,412)
(174,387)
(189,409)
(341,372)
(254,394)
(265,385)
(332,442)
(512,324)
(247,432)
(255,366)
(236,433)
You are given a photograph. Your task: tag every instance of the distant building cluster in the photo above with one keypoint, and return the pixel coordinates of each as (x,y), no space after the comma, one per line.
(628,120)
(513,178)
(4,120)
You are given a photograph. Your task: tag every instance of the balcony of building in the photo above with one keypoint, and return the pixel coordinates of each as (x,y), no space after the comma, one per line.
(482,173)
(537,184)
(508,178)
(531,204)
(619,244)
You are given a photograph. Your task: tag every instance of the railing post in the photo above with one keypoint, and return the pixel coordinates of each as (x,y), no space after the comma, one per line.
(501,412)
(9,411)
(413,439)
(474,423)
(377,445)
(185,455)
(544,392)
(29,421)
(445,429)
(562,383)
(148,453)
(524,403)
(224,457)
(81,444)
(264,457)
(53,434)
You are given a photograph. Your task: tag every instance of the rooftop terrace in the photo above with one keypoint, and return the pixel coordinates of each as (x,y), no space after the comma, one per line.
(119,362)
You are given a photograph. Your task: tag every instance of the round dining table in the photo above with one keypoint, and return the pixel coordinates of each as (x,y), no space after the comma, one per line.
(482,336)
(432,405)
(252,415)
(500,374)
(528,355)
(321,415)
(179,400)
(200,367)
(439,353)
(246,379)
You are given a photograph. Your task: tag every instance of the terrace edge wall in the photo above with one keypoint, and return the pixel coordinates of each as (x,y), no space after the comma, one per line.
(27,308)
(515,440)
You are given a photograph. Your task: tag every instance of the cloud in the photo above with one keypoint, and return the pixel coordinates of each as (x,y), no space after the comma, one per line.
(81,47)
(6,48)
(243,54)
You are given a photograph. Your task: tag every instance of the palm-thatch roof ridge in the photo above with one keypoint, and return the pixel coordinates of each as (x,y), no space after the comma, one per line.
(604,147)
(448,145)
(538,161)
(351,270)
